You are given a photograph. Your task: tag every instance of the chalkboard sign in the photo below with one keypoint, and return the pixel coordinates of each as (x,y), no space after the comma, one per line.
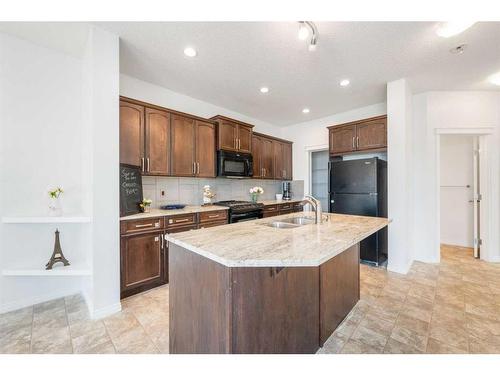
(130,189)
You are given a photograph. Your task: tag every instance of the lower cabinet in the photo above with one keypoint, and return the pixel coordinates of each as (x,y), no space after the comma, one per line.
(282,209)
(144,262)
(144,249)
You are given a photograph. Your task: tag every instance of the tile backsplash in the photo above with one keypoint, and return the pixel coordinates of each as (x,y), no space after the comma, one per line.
(185,190)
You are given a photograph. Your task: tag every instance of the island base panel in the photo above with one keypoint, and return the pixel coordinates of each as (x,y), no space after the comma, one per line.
(339,290)
(199,303)
(275,310)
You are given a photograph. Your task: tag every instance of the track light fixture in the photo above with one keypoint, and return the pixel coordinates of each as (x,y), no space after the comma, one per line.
(306,28)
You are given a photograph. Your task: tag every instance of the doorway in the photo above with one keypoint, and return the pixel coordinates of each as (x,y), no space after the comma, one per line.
(460,191)
(319,177)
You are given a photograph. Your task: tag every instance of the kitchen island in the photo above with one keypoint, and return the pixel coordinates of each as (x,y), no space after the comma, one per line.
(253,288)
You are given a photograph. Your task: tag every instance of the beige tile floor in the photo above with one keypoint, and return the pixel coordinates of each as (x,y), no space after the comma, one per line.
(451,307)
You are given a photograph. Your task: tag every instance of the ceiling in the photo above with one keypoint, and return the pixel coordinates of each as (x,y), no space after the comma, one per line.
(235,59)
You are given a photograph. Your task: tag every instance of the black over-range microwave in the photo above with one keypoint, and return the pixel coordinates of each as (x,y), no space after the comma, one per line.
(234,164)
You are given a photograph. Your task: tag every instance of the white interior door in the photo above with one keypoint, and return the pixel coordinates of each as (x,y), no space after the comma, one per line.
(476,200)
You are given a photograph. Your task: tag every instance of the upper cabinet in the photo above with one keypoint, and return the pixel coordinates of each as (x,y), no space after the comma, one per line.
(193,147)
(157,142)
(272,157)
(131,133)
(358,136)
(233,135)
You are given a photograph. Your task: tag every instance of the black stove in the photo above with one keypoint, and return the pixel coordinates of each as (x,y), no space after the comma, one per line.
(242,210)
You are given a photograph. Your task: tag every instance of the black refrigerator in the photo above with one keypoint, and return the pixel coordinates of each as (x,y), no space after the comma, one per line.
(359,187)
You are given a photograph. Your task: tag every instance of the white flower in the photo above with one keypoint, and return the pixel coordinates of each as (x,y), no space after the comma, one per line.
(256,190)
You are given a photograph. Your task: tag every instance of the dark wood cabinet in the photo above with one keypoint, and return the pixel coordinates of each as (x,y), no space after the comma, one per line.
(287,161)
(244,138)
(359,136)
(372,134)
(233,135)
(157,142)
(342,139)
(263,156)
(143,262)
(339,290)
(258,171)
(131,133)
(183,146)
(205,149)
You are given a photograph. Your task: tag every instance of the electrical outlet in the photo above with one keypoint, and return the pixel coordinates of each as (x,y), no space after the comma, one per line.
(163,193)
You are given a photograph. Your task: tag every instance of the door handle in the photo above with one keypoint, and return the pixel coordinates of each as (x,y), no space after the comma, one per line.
(357,142)
(142,164)
(148,163)
(197,168)
(353,144)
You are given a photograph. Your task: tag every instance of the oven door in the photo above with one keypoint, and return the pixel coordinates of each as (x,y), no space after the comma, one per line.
(233,164)
(245,216)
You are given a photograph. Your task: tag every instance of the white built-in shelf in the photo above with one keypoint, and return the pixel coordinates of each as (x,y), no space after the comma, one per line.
(45,219)
(57,270)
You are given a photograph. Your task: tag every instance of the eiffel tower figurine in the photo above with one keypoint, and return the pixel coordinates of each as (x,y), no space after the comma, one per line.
(57,255)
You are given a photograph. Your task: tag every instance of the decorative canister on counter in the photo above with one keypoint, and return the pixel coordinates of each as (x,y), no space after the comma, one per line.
(208,195)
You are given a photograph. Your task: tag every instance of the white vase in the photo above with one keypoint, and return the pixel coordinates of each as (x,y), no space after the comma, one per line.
(55,207)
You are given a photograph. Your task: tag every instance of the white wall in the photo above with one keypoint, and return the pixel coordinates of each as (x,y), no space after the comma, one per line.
(40,143)
(451,111)
(456,173)
(313,135)
(136,89)
(59,127)
(399,175)
(102,74)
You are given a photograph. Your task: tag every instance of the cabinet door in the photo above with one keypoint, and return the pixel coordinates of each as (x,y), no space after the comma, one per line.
(183,146)
(287,161)
(267,157)
(157,142)
(278,151)
(343,139)
(244,138)
(372,134)
(205,149)
(257,154)
(131,133)
(227,134)
(142,262)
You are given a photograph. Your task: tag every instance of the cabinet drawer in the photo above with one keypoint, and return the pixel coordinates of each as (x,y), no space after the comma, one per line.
(182,228)
(297,207)
(270,208)
(285,212)
(212,224)
(286,206)
(213,216)
(270,213)
(180,220)
(143,225)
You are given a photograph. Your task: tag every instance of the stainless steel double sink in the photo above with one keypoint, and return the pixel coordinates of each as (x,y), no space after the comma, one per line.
(293,222)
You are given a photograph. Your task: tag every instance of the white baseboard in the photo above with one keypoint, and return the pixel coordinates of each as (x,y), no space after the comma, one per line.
(106,311)
(26,302)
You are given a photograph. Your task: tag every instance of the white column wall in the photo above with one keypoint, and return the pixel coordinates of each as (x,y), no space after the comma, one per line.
(399,175)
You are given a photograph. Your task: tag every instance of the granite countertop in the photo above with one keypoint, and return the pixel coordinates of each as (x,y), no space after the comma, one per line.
(156,212)
(254,244)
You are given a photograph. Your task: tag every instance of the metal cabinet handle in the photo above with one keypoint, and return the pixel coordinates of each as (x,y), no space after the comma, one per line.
(213,216)
(353,144)
(181,220)
(147,159)
(142,164)
(357,142)
(198,167)
(144,225)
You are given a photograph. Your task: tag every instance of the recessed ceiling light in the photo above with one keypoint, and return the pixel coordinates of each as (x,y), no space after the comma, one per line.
(495,79)
(303,31)
(344,82)
(264,90)
(305,110)
(190,52)
(448,29)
